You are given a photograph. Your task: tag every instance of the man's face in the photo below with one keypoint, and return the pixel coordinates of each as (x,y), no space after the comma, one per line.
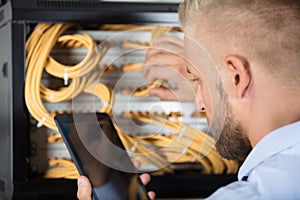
(229,134)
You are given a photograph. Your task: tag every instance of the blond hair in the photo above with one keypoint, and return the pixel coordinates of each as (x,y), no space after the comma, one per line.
(265,30)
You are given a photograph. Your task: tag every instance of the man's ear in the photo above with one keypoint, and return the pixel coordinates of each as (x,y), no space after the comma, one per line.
(240,71)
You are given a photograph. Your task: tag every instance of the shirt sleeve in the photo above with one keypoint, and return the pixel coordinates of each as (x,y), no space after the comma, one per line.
(236,191)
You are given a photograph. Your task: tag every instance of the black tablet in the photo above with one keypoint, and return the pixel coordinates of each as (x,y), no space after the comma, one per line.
(99,154)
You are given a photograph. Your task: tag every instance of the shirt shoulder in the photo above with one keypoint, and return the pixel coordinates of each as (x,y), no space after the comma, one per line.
(272,168)
(236,191)
(277,177)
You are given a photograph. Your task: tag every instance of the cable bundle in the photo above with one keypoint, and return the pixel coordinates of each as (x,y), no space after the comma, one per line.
(82,68)
(133,27)
(39,60)
(188,145)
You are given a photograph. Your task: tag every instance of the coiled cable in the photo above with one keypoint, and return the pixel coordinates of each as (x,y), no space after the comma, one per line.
(38,60)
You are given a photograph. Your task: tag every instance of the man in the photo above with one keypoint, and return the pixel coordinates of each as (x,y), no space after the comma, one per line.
(244,57)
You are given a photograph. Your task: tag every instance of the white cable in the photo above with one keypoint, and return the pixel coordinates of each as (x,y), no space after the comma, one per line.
(66,76)
(40,123)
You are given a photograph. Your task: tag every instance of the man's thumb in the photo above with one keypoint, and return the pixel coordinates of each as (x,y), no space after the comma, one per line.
(84,191)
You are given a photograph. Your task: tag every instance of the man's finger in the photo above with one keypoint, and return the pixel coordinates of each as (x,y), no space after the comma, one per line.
(137,164)
(145,178)
(151,195)
(84,191)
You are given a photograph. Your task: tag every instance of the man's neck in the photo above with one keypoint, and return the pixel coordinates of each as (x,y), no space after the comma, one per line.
(277,108)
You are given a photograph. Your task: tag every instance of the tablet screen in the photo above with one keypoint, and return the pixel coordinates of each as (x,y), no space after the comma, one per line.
(100,155)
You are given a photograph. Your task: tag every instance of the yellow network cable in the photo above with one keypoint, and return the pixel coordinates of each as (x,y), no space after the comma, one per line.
(180,148)
(104,93)
(135,45)
(219,164)
(37,56)
(38,48)
(155,32)
(107,69)
(145,92)
(55,137)
(191,144)
(64,93)
(34,38)
(61,168)
(148,156)
(187,146)
(82,68)
(133,67)
(125,27)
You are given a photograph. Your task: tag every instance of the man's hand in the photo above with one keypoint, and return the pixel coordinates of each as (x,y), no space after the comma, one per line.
(165,61)
(84,191)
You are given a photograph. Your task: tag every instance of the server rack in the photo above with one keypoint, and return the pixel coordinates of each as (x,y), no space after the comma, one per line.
(17,18)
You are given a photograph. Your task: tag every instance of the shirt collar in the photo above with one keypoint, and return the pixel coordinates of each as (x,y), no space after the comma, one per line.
(271,144)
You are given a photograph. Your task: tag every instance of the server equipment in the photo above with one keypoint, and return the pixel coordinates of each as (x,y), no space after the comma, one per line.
(62,56)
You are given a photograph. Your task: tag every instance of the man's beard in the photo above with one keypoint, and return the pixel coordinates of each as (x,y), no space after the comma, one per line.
(231,139)
(233,143)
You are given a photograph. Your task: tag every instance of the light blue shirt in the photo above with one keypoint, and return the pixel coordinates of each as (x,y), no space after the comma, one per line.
(272,168)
